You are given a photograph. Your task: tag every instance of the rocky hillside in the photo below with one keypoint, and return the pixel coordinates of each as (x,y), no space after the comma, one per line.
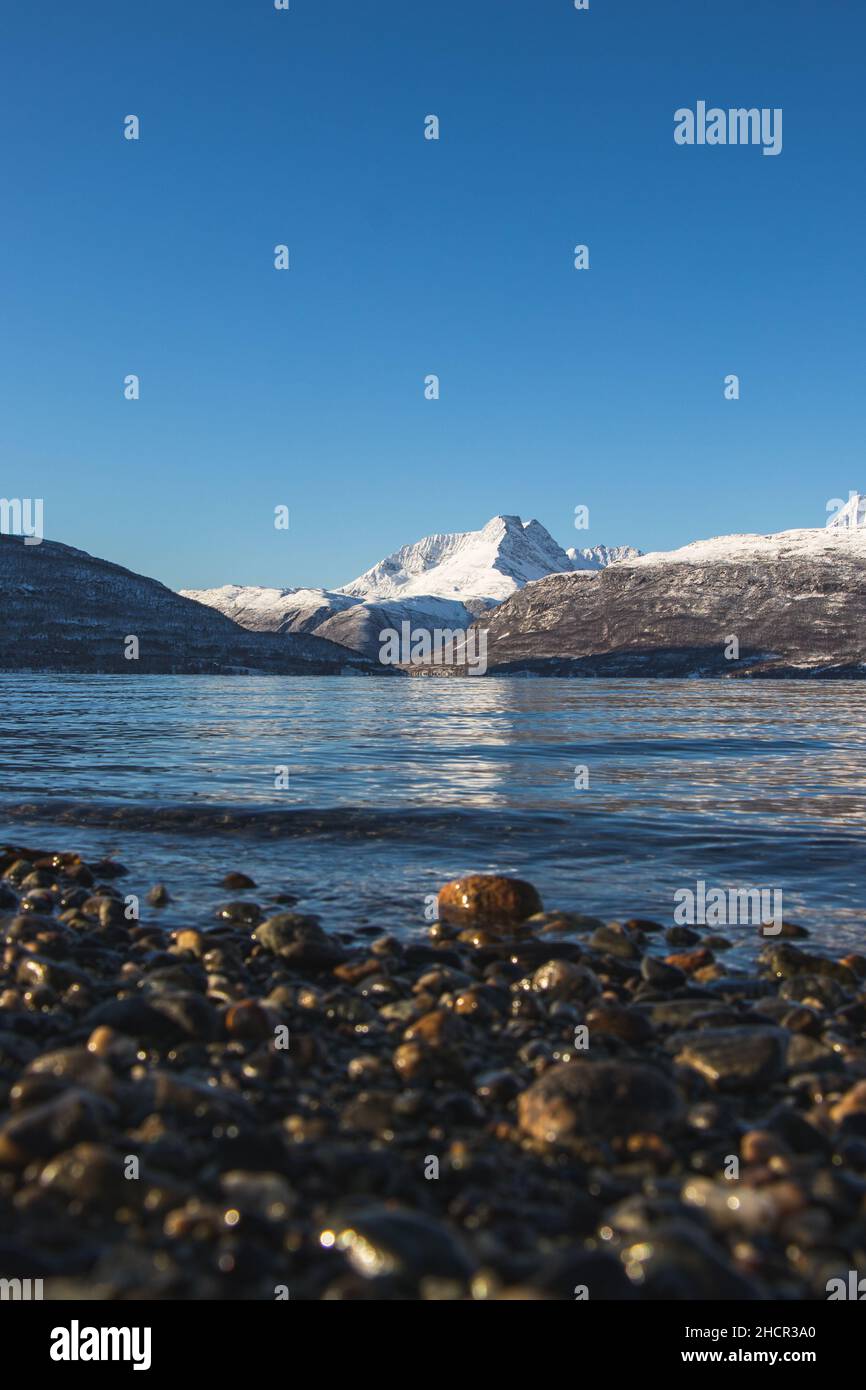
(61,609)
(796,602)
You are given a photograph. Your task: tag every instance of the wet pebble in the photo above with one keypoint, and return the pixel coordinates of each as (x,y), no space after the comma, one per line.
(487,899)
(601,1099)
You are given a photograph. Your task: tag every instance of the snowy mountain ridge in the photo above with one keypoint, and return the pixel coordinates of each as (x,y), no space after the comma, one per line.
(489,564)
(446,579)
(815,543)
(598,557)
(794,601)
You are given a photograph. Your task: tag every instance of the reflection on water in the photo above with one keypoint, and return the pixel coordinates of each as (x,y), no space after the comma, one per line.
(723,780)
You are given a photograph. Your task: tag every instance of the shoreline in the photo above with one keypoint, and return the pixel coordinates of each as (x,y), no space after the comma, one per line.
(527,1104)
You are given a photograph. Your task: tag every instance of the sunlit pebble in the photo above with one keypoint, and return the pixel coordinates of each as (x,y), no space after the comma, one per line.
(482,1286)
(327,1238)
(733,1203)
(232,1217)
(606,1232)
(364,1255)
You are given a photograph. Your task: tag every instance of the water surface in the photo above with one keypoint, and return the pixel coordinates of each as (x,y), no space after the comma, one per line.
(397,785)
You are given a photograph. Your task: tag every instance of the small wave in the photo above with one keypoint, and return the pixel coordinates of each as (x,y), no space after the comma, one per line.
(354,822)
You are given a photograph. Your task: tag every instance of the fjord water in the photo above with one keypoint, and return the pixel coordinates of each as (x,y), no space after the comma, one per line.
(397,785)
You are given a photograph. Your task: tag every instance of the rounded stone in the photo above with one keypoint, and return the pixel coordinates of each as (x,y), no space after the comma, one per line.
(389,1241)
(489,899)
(247,1019)
(237,881)
(614,1021)
(596,1100)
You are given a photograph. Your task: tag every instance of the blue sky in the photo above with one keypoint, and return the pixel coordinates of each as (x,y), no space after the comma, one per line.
(410,257)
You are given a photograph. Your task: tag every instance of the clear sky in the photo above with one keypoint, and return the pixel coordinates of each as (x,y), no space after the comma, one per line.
(408,257)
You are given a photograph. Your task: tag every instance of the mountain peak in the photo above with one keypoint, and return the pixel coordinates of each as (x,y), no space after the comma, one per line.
(445,579)
(488,564)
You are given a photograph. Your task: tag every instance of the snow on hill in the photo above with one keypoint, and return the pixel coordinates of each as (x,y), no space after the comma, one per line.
(794,600)
(814,543)
(272,610)
(443,580)
(598,557)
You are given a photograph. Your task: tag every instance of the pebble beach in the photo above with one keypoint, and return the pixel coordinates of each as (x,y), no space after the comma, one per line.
(524,1105)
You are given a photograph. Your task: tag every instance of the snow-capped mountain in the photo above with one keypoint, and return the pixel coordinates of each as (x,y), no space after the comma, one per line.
(795,602)
(488,564)
(272,610)
(441,581)
(598,557)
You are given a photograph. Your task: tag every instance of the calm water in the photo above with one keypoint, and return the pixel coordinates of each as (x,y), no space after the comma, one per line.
(395,786)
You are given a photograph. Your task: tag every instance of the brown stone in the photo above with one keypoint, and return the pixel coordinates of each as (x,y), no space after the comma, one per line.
(357,970)
(852,1103)
(411,1060)
(488,899)
(612,1020)
(690,961)
(599,1100)
(439,1028)
(248,1020)
(188,939)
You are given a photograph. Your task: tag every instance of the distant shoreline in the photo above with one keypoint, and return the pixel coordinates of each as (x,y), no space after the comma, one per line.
(547,670)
